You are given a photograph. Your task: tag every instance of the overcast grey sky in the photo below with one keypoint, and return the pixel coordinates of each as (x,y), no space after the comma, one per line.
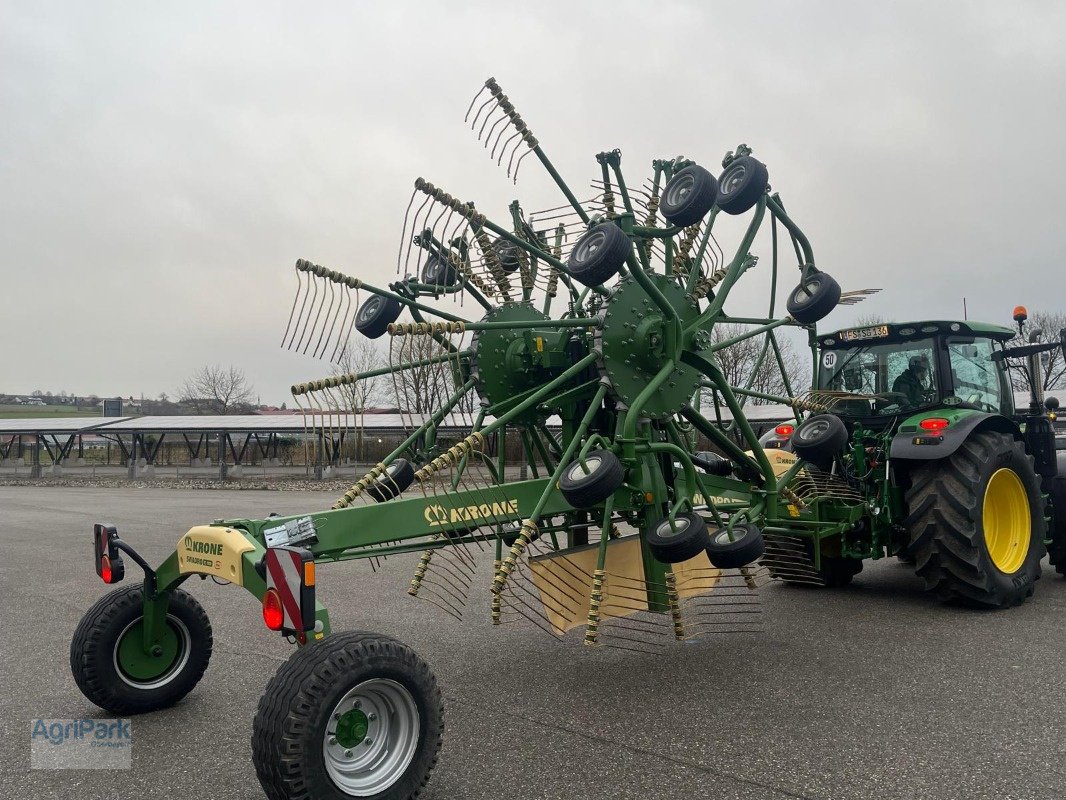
(162,166)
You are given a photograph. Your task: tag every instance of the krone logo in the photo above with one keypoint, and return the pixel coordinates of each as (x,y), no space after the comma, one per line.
(437,515)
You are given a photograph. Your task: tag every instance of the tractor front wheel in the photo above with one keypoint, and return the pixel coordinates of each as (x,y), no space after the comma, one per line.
(109,662)
(355,715)
(977,524)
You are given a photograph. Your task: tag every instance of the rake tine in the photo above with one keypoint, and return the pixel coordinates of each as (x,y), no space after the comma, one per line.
(332,295)
(314,325)
(344,324)
(314,301)
(295,300)
(481,91)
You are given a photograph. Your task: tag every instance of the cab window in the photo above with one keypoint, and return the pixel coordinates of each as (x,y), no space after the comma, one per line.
(977,382)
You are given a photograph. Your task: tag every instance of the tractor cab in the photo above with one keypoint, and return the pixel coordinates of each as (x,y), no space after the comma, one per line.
(892,370)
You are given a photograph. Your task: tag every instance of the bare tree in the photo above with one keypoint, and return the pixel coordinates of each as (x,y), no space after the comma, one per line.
(1052,374)
(361,355)
(869,320)
(424,389)
(738,362)
(214,389)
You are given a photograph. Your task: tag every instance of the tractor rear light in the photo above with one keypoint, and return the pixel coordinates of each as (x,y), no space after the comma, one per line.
(290,580)
(106,557)
(784,430)
(934,424)
(273,614)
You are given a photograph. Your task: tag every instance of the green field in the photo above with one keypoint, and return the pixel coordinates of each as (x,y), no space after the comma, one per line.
(44,412)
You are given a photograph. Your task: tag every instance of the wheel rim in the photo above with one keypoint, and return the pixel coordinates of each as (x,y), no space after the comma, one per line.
(369,309)
(666,532)
(733,179)
(371,737)
(1007,521)
(577,472)
(681,189)
(588,247)
(814,430)
(146,671)
(730,537)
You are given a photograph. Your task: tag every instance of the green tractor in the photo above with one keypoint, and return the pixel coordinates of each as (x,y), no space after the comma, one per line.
(917,423)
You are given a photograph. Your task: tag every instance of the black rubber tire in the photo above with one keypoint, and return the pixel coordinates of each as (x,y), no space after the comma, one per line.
(688,196)
(814,298)
(605,477)
(741,185)
(1057,549)
(398,476)
(599,254)
(508,254)
(837,572)
(290,723)
(376,314)
(438,272)
(92,652)
(740,552)
(819,439)
(688,541)
(946,523)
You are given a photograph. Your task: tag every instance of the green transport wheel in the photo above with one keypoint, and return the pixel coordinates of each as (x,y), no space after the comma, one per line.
(976,522)
(732,549)
(354,715)
(110,666)
(585,485)
(672,543)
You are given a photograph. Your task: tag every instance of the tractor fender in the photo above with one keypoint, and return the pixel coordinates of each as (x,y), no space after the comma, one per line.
(912,443)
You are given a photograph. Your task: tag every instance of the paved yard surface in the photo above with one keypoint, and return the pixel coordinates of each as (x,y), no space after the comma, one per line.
(875,692)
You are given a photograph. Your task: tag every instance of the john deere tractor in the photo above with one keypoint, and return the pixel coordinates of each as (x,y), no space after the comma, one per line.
(918,425)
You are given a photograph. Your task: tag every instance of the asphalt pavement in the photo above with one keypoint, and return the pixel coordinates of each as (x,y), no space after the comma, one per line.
(875,691)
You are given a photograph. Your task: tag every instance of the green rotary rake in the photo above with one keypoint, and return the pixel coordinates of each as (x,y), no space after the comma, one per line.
(592,347)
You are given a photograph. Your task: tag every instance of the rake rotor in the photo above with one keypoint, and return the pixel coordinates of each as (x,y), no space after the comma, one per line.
(619,375)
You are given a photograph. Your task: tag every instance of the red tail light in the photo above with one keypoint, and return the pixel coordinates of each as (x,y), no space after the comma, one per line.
(273,615)
(105,569)
(934,424)
(784,430)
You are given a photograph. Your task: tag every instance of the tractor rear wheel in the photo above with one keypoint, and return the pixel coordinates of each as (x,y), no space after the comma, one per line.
(1057,549)
(354,715)
(976,523)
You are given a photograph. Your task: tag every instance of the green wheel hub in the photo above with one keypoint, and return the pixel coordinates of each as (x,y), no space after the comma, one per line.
(633,345)
(139,667)
(352,728)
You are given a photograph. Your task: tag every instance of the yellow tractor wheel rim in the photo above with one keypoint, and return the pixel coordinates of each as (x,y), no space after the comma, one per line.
(1008,525)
